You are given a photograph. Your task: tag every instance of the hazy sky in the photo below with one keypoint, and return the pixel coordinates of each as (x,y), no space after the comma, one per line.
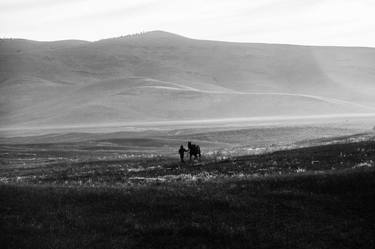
(315,22)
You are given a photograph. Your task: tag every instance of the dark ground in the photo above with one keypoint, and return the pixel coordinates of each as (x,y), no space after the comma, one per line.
(324,197)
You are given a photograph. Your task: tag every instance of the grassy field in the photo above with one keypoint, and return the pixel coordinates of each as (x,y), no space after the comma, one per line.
(320,196)
(308,211)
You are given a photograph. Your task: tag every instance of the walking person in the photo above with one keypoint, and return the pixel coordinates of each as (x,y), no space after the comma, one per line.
(182,151)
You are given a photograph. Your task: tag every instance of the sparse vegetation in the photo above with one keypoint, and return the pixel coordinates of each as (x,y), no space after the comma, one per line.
(308,211)
(314,197)
(280,165)
(162,76)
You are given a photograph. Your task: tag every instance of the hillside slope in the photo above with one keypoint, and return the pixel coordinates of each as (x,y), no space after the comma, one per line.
(162,76)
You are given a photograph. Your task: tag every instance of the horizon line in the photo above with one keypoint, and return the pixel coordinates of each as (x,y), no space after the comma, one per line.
(186,37)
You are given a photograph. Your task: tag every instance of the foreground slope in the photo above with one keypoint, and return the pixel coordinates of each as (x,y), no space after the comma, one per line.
(162,76)
(319,208)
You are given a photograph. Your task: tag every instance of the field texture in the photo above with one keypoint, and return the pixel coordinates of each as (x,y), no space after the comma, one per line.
(312,197)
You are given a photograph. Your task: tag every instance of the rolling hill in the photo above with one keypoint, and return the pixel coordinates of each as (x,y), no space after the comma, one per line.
(157,76)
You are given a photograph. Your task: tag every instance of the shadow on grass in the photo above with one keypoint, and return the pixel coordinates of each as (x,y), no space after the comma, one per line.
(309,211)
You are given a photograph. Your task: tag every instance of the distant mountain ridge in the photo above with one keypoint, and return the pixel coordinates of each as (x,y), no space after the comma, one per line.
(158,75)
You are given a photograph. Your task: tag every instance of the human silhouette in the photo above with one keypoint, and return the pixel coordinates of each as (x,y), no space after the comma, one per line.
(182,151)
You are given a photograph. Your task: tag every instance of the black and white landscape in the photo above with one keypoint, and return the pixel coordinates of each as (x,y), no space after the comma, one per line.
(90,132)
(159,76)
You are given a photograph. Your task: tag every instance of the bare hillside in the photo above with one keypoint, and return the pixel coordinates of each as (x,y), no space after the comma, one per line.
(162,76)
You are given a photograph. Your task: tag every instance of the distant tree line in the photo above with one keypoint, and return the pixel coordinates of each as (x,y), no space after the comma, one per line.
(132,35)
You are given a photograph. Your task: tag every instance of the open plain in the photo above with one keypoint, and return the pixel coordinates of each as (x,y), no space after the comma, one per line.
(271,187)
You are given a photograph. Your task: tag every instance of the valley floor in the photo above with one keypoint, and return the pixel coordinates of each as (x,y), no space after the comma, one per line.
(314,197)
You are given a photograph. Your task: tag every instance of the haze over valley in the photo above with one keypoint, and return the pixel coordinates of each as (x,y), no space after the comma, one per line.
(159,76)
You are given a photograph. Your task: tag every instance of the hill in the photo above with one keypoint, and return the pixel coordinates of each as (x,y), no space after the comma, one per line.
(162,76)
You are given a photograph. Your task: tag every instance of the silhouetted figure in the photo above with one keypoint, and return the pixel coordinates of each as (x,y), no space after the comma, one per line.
(194,150)
(182,151)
